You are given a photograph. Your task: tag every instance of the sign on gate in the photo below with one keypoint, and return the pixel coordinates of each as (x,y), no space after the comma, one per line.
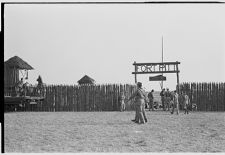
(156,68)
(157,78)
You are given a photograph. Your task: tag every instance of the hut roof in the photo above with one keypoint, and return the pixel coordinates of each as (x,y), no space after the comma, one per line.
(18,63)
(86,80)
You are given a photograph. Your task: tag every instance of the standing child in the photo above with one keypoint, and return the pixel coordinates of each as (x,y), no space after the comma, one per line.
(186,103)
(121,101)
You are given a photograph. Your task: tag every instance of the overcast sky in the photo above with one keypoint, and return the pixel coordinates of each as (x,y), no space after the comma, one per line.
(65,42)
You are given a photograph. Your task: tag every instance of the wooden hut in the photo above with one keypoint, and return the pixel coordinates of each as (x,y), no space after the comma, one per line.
(86,80)
(12,100)
(12,67)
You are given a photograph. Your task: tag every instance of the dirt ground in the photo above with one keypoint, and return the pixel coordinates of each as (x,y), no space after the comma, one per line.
(114,132)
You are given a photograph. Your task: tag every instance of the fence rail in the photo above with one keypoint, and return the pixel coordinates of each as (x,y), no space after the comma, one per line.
(80,98)
(207,96)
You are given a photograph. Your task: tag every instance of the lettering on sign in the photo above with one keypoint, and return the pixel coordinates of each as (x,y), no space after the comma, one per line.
(167,67)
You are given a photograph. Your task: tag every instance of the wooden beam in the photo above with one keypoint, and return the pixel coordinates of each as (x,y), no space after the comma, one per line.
(122,2)
(156,72)
(157,63)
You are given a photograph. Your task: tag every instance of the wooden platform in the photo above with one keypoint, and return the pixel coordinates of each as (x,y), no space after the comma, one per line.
(21,99)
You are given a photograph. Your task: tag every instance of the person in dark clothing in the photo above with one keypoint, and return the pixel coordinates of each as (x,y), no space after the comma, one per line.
(39,80)
(162,94)
(19,87)
(167,99)
(151,99)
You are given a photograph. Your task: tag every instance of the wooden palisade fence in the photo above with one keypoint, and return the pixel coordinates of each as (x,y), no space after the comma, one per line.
(207,96)
(82,98)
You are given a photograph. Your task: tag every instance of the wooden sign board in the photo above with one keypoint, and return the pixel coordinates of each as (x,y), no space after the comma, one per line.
(33,102)
(157,78)
(156,68)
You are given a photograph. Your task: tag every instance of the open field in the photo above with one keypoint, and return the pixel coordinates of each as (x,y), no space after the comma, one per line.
(114,132)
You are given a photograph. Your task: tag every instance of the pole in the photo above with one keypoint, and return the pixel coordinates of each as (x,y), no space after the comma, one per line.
(162,62)
(135,76)
(135,70)
(178,83)
(2,49)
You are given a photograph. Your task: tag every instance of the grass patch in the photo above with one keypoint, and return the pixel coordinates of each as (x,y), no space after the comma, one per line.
(114,132)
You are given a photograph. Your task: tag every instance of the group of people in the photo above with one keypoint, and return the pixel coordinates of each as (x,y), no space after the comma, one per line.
(21,86)
(170,101)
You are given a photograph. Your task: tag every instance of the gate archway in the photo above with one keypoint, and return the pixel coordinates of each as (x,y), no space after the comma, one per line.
(156,68)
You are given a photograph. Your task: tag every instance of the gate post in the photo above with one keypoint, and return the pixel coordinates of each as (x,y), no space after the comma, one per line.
(178,83)
(135,70)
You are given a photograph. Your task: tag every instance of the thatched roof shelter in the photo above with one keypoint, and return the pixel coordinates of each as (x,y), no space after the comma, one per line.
(11,70)
(18,63)
(86,80)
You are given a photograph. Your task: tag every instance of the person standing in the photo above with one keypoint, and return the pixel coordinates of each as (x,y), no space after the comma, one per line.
(181,99)
(171,101)
(140,97)
(167,99)
(162,94)
(40,82)
(175,102)
(121,101)
(186,103)
(151,99)
(19,87)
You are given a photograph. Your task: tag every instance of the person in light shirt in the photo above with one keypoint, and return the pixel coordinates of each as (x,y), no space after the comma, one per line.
(121,101)
(175,102)
(186,103)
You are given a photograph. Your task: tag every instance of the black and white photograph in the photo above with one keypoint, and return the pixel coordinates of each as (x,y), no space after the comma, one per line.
(113,76)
